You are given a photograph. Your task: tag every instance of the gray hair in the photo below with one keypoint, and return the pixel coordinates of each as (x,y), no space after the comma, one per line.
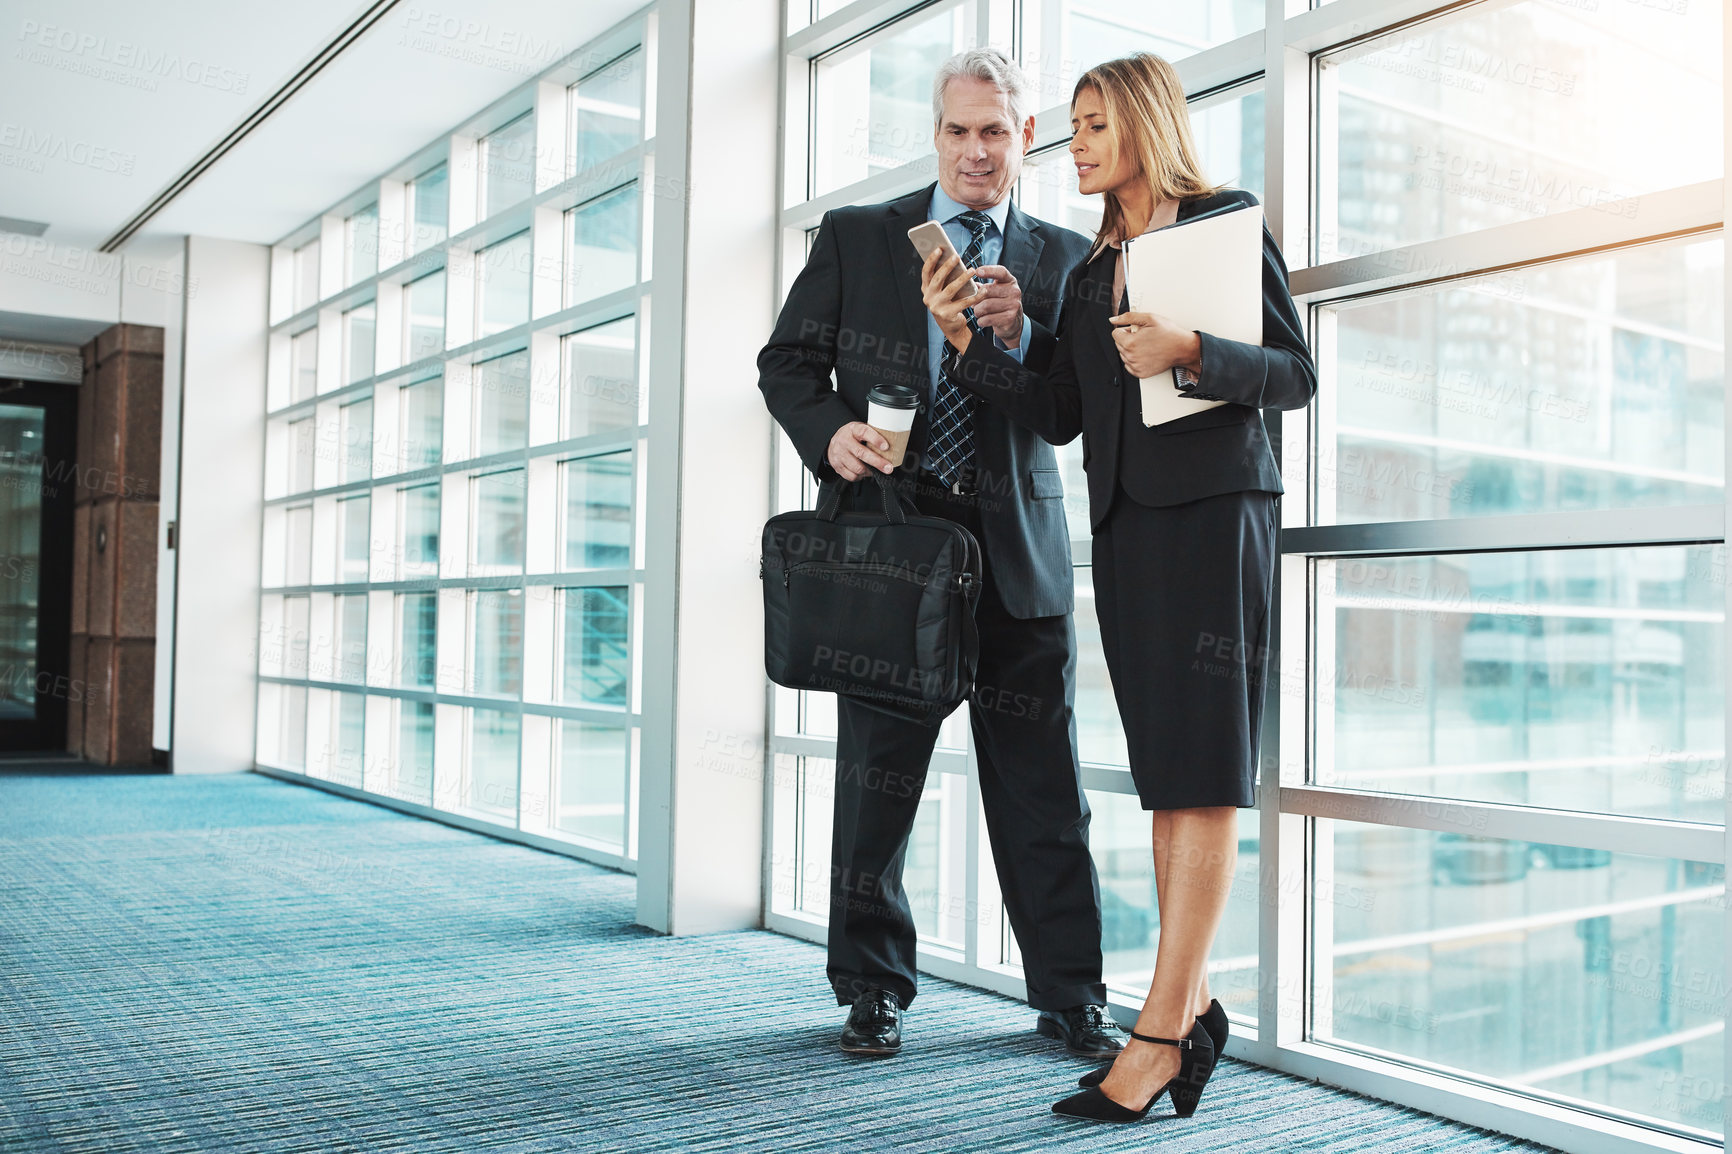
(992,66)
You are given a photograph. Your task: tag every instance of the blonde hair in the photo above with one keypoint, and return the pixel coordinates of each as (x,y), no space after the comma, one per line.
(1151,124)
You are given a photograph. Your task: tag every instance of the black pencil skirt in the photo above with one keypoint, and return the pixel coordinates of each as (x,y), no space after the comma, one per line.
(1182,593)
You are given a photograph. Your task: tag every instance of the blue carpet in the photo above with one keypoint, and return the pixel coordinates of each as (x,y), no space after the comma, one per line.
(238,963)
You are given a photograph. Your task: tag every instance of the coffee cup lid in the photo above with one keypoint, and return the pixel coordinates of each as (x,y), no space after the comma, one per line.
(894,397)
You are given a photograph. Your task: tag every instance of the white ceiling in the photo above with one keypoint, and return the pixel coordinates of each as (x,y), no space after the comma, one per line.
(107,101)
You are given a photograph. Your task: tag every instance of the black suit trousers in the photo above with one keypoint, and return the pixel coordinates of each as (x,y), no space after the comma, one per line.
(1031,797)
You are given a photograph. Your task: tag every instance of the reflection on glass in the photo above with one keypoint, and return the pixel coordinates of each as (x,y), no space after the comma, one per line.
(508,165)
(607,110)
(423,413)
(497,670)
(597,646)
(1579,679)
(356,427)
(306,275)
(504,282)
(420,512)
(598,524)
(348,758)
(604,244)
(412,778)
(424,318)
(1582,973)
(361,243)
(21,480)
(592,781)
(417,640)
(1062,39)
(358,343)
(301,454)
(601,379)
(499,513)
(293,721)
(502,403)
(428,197)
(353,557)
(1119,838)
(872,101)
(304,364)
(1594,383)
(1507,112)
(493,752)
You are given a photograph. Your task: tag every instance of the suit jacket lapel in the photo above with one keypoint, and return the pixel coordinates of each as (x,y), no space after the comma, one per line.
(904,215)
(1022,247)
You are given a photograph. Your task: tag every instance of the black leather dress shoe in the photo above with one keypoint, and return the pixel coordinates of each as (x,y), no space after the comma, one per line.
(1087,1031)
(874,1024)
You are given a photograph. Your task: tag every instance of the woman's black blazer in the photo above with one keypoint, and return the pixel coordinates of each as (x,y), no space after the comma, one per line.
(1086,389)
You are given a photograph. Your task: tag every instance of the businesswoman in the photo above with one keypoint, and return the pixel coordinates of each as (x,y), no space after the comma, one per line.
(1183,516)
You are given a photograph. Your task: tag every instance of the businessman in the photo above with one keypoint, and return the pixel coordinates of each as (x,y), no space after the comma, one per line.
(854,319)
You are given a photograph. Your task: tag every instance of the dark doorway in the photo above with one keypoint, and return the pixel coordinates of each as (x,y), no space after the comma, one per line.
(38,432)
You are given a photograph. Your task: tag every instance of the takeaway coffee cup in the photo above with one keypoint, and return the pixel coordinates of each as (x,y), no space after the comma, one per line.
(890,409)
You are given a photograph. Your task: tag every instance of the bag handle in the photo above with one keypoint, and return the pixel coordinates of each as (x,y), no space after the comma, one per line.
(830,499)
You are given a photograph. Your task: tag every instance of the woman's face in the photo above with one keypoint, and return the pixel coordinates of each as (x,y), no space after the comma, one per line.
(1099,165)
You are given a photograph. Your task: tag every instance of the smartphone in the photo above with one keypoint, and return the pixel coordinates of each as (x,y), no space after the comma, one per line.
(931,235)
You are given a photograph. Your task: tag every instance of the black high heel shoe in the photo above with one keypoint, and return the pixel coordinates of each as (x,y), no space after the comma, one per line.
(1196,1063)
(1214,1020)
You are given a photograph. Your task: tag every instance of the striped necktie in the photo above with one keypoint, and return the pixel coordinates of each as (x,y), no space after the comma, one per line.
(952,446)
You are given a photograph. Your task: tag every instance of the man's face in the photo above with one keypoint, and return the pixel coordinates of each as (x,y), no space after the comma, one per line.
(980,145)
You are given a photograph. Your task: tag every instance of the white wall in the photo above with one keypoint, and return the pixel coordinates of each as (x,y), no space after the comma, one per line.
(221,471)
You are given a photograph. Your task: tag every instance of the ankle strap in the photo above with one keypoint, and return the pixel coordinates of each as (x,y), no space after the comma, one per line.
(1181,1043)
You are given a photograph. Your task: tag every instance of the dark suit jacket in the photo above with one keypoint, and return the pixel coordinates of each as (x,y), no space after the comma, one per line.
(1085,389)
(855,311)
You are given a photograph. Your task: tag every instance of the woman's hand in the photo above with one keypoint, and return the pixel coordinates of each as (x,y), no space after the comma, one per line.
(946,299)
(1150,344)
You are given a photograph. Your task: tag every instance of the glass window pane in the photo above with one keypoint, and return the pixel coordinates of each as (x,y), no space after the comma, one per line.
(356,423)
(508,165)
(429,195)
(300,546)
(1513,111)
(502,403)
(423,416)
(420,522)
(417,640)
(607,110)
(499,514)
(424,318)
(1593,383)
(815,788)
(1062,39)
(1592,975)
(304,364)
(293,723)
(592,781)
(504,281)
(23,468)
(935,865)
(598,524)
(604,245)
(353,558)
(493,752)
(601,379)
(361,241)
(306,275)
(1100,734)
(872,101)
(412,777)
(498,647)
(297,614)
(1580,679)
(302,446)
(352,637)
(358,343)
(597,646)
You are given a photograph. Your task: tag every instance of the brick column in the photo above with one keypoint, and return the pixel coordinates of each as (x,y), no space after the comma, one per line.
(114,546)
